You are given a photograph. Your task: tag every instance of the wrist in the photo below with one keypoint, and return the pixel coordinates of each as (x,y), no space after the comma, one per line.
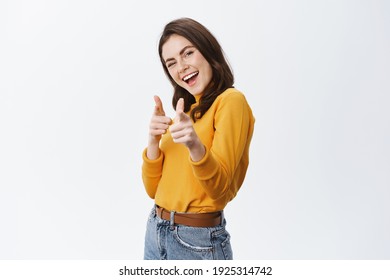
(197,151)
(153,150)
(153,141)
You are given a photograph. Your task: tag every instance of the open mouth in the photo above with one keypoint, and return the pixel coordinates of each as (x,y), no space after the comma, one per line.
(190,78)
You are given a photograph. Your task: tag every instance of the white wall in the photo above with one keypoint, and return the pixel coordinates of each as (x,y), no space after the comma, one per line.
(77,86)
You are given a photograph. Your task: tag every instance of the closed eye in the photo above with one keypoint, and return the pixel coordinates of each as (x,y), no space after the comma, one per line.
(170,64)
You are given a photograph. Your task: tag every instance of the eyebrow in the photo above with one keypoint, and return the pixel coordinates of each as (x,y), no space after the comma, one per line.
(181,52)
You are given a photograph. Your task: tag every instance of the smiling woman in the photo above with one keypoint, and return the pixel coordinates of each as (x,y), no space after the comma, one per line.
(194,167)
(184,63)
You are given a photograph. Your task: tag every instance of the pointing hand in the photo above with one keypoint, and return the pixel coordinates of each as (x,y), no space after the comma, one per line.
(182,129)
(159,122)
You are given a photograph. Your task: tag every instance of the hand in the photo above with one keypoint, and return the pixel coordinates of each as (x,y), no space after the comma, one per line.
(159,123)
(182,131)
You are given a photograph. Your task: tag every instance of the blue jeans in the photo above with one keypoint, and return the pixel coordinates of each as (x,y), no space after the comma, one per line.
(166,242)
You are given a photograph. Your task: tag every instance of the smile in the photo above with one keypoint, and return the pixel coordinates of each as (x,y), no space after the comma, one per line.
(189,76)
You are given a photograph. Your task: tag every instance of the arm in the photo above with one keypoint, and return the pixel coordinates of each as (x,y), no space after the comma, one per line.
(152,156)
(222,169)
(151,173)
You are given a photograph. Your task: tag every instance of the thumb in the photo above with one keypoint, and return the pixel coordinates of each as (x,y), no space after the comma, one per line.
(179,110)
(158,108)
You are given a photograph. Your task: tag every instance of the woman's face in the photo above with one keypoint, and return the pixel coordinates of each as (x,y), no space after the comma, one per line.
(186,65)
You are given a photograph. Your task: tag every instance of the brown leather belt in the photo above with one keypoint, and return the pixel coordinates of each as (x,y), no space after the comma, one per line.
(191,219)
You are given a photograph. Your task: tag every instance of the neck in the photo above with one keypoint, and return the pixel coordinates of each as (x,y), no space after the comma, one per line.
(197,97)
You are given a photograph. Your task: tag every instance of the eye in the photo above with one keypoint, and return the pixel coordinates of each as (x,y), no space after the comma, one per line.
(169,65)
(187,54)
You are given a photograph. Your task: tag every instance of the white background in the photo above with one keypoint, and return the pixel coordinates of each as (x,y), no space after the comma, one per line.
(76,94)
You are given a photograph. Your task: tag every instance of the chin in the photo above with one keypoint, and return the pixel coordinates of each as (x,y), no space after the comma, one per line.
(195,92)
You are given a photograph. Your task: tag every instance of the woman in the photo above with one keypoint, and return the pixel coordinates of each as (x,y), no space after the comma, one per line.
(194,165)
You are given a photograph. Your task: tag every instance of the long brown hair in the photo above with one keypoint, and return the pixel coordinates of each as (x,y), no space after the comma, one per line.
(207,44)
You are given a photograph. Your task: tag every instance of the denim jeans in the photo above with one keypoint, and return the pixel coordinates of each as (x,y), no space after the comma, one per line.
(164,241)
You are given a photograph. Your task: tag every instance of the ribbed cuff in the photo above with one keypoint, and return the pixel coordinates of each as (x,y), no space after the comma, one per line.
(152,166)
(206,167)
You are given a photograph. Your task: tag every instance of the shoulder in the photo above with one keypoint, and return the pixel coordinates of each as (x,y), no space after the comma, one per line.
(231,93)
(231,97)
(231,108)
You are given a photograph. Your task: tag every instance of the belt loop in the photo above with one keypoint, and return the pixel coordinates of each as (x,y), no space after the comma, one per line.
(172,220)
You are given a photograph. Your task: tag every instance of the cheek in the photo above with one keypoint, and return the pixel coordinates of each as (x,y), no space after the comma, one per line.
(209,74)
(173,76)
(207,69)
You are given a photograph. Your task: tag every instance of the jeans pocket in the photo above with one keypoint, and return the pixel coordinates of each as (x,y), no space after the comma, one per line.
(221,243)
(152,214)
(193,238)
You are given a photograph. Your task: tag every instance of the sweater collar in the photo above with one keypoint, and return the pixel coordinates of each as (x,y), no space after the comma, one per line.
(197,97)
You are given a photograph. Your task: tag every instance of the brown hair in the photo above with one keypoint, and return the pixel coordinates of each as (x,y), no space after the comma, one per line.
(208,46)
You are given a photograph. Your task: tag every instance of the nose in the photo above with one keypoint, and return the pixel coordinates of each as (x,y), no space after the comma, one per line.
(182,66)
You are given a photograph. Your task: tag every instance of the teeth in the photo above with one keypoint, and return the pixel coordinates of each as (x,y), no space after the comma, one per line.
(189,76)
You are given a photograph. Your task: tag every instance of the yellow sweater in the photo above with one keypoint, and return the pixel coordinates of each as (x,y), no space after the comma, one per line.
(177,183)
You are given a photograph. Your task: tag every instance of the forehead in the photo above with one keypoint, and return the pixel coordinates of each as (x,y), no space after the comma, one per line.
(174,45)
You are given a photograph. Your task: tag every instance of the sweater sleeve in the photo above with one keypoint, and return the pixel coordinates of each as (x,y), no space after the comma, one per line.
(223,168)
(151,173)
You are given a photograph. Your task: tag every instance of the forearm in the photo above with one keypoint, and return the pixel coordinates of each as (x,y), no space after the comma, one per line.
(151,172)
(153,149)
(212,175)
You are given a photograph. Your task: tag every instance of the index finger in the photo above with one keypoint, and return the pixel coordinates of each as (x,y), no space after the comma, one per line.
(158,109)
